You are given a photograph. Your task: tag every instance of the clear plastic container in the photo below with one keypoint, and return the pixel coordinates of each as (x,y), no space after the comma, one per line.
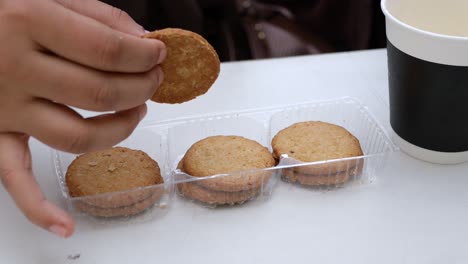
(139,204)
(167,142)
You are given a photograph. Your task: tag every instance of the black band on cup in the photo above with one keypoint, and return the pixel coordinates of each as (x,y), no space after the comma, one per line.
(428,102)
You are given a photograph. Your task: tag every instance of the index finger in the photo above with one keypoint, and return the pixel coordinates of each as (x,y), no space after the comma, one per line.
(89,42)
(107,14)
(16,176)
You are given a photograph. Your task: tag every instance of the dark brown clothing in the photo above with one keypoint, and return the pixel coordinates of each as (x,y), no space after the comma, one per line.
(251,29)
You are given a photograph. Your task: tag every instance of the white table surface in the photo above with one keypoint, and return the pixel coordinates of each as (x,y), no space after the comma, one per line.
(415,212)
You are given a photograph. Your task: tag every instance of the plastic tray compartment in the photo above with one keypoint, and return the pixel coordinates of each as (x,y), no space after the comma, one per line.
(168,141)
(212,191)
(353,116)
(262,125)
(139,203)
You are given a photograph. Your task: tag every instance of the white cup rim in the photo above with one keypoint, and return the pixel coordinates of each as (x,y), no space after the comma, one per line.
(387,14)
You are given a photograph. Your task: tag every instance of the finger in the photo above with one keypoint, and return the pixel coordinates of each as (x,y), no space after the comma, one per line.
(62,128)
(106,14)
(17,178)
(91,43)
(74,85)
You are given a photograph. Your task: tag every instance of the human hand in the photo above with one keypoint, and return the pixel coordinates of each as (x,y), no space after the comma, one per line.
(57,54)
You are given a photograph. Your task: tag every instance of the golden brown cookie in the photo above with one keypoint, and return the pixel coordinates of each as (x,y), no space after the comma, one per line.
(315,180)
(229,154)
(190,68)
(322,180)
(116,172)
(128,210)
(195,191)
(315,141)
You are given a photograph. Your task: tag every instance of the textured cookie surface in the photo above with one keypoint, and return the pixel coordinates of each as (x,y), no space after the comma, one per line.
(112,171)
(317,141)
(198,192)
(229,154)
(318,180)
(120,211)
(190,68)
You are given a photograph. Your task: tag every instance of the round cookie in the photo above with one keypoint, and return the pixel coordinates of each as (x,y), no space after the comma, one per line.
(315,141)
(195,191)
(322,180)
(128,210)
(229,154)
(315,180)
(113,172)
(190,68)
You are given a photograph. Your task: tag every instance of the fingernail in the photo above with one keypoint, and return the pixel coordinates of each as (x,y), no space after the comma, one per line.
(145,32)
(162,55)
(160,76)
(138,31)
(143,111)
(58,230)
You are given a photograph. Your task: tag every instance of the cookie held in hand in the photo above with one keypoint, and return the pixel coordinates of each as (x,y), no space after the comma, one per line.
(190,68)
